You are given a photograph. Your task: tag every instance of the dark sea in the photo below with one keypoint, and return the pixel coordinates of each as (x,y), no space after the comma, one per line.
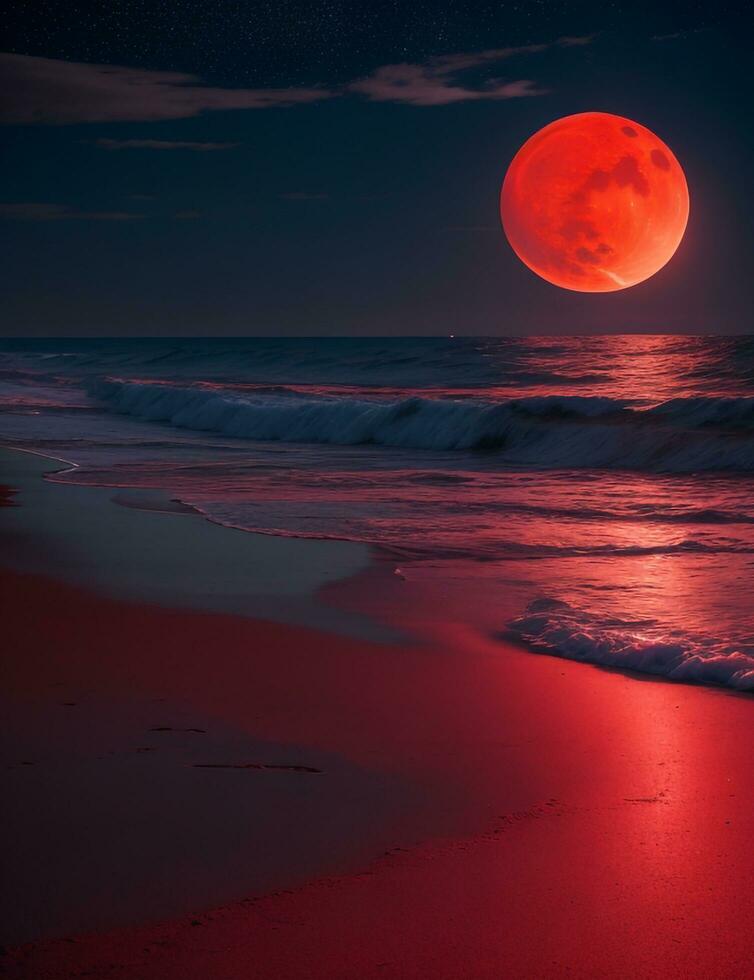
(592,497)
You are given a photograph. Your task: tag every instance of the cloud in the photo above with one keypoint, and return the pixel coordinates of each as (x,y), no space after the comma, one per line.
(420,85)
(36,211)
(147,144)
(676,35)
(434,82)
(45,90)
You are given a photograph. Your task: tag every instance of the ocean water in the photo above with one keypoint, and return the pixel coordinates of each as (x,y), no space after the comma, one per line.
(591,497)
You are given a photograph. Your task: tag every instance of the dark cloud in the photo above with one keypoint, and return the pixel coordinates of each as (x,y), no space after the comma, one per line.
(40,211)
(419,85)
(434,82)
(147,144)
(676,35)
(45,90)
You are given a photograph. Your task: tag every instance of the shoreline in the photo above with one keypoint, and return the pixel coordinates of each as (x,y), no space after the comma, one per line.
(499,780)
(85,536)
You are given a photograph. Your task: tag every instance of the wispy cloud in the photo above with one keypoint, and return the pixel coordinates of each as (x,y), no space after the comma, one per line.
(419,85)
(45,90)
(676,35)
(435,82)
(147,144)
(41,211)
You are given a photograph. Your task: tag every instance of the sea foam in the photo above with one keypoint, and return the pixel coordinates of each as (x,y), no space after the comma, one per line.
(556,627)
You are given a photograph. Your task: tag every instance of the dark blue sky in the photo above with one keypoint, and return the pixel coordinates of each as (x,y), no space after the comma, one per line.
(334,168)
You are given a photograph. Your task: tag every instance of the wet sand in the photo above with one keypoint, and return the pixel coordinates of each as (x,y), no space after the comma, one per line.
(477,810)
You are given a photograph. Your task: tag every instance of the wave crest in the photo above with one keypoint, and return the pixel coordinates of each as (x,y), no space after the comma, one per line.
(545,431)
(556,627)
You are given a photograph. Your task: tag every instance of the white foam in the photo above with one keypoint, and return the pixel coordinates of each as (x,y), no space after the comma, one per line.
(559,628)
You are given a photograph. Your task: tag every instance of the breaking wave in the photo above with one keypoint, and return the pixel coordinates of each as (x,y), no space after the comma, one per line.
(555,627)
(556,431)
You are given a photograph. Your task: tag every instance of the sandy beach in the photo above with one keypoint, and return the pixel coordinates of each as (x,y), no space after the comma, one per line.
(376,492)
(201,794)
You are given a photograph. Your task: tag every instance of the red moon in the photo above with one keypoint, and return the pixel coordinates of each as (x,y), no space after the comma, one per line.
(594,202)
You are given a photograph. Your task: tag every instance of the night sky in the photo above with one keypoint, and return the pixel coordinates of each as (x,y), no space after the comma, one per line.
(203,168)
